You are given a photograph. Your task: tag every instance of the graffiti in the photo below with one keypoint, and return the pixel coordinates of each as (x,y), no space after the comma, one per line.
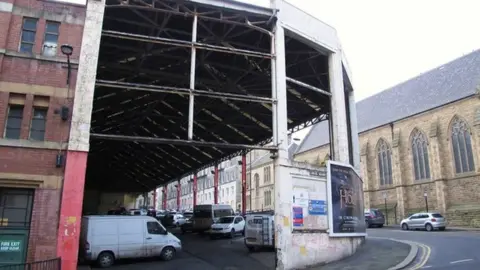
(70,226)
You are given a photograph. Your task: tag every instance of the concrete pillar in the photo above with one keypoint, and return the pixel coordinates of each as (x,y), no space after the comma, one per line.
(339,141)
(79,135)
(354,129)
(283,182)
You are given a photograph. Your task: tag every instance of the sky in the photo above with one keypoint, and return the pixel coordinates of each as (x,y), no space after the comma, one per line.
(387,42)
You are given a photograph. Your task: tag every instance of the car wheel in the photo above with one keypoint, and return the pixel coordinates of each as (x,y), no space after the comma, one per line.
(105,259)
(404,227)
(167,253)
(250,248)
(183,231)
(232,233)
(243,232)
(429,227)
(380,226)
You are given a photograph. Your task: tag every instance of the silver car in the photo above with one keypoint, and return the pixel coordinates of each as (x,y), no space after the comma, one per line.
(427,221)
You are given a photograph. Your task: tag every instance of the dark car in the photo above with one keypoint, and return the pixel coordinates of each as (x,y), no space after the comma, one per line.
(374,218)
(188,225)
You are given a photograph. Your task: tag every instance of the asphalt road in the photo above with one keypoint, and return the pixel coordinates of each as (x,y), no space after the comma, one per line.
(202,253)
(448,250)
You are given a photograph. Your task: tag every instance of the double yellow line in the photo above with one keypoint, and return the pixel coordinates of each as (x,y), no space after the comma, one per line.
(425,251)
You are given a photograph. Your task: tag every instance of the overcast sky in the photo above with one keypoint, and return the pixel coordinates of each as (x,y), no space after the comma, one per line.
(390,41)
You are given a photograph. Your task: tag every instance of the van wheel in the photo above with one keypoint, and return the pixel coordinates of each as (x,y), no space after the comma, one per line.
(105,259)
(167,253)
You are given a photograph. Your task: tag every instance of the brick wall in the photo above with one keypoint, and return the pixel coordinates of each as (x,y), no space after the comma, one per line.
(43,231)
(27,72)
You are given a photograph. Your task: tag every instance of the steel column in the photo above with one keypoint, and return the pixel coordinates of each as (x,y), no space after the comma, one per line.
(194,189)
(244,184)
(215,184)
(192,78)
(155,199)
(164,197)
(179,187)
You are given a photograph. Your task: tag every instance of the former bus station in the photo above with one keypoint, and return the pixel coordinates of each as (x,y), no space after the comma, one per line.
(129,95)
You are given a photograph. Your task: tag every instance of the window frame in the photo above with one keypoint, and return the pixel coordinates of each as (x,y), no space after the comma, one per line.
(468,154)
(420,154)
(7,118)
(384,155)
(38,130)
(57,34)
(24,19)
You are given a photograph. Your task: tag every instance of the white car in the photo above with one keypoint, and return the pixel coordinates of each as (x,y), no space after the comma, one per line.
(228,226)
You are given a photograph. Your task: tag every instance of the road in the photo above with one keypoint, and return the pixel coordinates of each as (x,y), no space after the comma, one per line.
(202,253)
(449,250)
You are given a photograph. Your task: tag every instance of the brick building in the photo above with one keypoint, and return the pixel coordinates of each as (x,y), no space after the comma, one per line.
(421,136)
(33,89)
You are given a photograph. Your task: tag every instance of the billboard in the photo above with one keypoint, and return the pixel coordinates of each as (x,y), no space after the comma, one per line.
(345,201)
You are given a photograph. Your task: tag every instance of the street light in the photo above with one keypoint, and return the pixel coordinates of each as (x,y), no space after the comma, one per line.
(425,195)
(385,195)
(67,50)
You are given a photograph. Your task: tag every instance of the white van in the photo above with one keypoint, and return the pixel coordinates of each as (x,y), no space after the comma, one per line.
(204,215)
(105,239)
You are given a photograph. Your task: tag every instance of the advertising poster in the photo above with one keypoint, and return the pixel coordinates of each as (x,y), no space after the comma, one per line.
(297,216)
(345,191)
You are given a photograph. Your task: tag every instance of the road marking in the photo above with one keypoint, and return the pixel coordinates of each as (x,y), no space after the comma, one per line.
(428,266)
(426,251)
(461,261)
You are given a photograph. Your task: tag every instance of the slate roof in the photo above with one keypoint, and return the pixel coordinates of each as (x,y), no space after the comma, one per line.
(450,82)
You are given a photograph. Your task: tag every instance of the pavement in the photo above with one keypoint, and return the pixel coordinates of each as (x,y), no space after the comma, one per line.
(375,254)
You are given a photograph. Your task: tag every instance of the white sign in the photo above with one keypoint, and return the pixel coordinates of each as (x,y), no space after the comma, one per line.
(300,197)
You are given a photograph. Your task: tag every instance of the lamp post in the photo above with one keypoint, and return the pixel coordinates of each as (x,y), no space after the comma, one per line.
(67,50)
(425,195)
(385,195)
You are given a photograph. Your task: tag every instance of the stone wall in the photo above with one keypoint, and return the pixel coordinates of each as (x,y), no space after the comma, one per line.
(455,195)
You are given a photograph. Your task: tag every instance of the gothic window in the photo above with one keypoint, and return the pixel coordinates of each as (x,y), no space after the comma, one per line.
(462,146)
(421,166)
(384,156)
(257,184)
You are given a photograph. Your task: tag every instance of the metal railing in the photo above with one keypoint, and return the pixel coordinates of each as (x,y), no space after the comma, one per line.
(52,264)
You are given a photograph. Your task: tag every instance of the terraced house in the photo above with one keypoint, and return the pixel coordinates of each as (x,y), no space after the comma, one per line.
(420,144)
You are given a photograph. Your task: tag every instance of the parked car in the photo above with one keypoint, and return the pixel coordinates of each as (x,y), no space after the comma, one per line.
(188,225)
(173,220)
(105,239)
(427,221)
(374,218)
(228,226)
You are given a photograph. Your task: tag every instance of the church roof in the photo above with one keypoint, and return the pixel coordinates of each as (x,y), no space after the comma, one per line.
(450,82)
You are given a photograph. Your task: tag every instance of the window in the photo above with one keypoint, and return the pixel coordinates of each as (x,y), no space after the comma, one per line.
(267,200)
(266,175)
(154,228)
(384,156)
(421,166)
(14,122)
(462,146)
(50,42)
(29,29)
(257,184)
